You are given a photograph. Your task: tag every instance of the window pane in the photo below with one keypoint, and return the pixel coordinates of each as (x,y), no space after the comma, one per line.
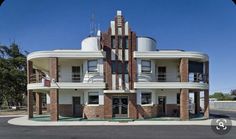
(93,98)
(126,42)
(126,68)
(113,67)
(113,42)
(178,98)
(146,98)
(146,65)
(75,74)
(92,66)
(120,42)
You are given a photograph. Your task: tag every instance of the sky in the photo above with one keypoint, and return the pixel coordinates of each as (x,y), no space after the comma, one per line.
(208,26)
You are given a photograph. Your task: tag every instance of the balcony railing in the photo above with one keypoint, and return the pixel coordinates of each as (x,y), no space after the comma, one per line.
(89,78)
(33,78)
(86,78)
(165,77)
(161,77)
(197,77)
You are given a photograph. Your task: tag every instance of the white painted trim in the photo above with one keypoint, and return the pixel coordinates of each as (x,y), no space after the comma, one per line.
(79,54)
(170,85)
(171,55)
(67,85)
(119,91)
(92,105)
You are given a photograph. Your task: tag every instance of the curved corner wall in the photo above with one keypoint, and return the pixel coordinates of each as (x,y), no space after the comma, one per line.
(91,44)
(146,44)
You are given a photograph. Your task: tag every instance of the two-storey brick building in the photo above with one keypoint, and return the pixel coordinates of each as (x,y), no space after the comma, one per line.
(117,74)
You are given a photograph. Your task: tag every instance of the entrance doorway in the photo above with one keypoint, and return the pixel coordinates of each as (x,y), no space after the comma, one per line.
(120,107)
(76,107)
(162,105)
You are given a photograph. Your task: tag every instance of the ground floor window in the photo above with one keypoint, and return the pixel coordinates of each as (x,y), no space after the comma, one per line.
(93,98)
(146,98)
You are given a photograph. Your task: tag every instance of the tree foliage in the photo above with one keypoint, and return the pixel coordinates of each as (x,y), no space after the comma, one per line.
(13,78)
(222,96)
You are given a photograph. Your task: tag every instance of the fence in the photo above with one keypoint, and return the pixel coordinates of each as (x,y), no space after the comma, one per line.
(224,105)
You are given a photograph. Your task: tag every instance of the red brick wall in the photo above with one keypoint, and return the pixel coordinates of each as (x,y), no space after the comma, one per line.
(170,110)
(53,72)
(91,112)
(38,103)
(107,106)
(147,111)
(66,110)
(184,113)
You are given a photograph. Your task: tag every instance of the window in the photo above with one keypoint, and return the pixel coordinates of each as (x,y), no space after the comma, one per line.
(120,67)
(92,66)
(146,98)
(113,42)
(146,66)
(93,98)
(126,43)
(126,67)
(119,31)
(120,42)
(161,73)
(75,74)
(178,98)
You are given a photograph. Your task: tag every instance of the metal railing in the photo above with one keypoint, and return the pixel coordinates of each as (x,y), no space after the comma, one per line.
(33,78)
(160,77)
(197,77)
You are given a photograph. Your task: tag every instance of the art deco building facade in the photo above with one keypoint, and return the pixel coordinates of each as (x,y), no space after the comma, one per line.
(118,74)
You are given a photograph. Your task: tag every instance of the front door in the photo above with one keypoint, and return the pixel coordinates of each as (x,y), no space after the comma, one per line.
(120,107)
(162,105)
(76,107)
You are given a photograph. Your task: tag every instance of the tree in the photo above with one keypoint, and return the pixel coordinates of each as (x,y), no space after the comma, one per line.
(12,75)
(233,92)
(217,95)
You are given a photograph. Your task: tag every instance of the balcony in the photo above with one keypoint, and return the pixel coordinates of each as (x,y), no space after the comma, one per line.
(171,81)
(76,81)
(161,77)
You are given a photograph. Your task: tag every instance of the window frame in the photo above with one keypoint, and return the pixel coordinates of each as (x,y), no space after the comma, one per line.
(144,66)
(113,42)
(161,75)
(74,74)
(88,66)
(148,100)
(113,67)
(92,94)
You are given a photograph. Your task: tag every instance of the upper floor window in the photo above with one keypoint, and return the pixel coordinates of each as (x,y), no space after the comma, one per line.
(92,65)
(146,66)
(75,73)
(120,39)
(146,98)
(126,43)
(120,67)
(161,73)
(113,42)
(93,98)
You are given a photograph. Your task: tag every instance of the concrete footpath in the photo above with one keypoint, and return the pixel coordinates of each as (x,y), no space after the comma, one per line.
(23,121)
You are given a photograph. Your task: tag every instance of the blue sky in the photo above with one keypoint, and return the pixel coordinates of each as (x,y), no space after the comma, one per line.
(208,26)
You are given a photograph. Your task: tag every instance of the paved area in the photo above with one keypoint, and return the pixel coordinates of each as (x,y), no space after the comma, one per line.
(223,113)
(23,121)
(8,131)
